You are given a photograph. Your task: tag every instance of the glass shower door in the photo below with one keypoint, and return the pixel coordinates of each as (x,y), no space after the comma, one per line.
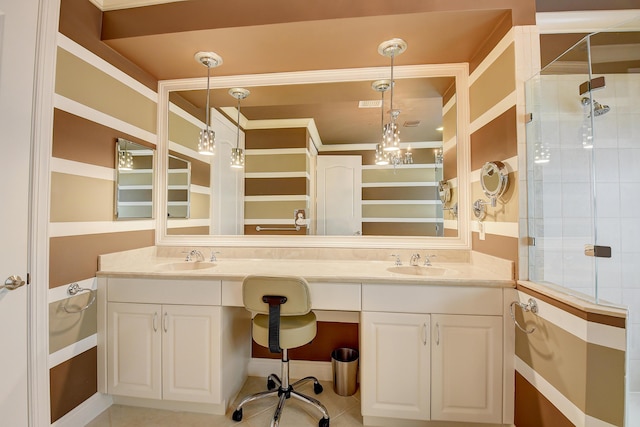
(560,174)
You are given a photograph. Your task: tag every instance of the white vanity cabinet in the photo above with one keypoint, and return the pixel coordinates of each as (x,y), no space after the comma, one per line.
(395,367)
(431,353)
(466,368)
(163,351)
(171,341)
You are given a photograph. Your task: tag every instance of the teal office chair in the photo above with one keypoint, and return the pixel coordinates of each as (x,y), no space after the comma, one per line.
(283,320)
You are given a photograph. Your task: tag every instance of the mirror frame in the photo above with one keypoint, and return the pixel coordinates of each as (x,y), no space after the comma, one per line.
(460,72)
(488,169)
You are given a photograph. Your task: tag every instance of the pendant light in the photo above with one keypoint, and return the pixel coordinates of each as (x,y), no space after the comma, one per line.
(207,141)
(125,158)
(382,156)
(391,49)
(237,154)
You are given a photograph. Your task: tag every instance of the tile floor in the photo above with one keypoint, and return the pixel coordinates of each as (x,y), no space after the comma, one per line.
(344,412)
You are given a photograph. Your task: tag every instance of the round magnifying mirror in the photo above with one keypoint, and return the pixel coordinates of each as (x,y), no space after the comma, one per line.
(444,190)
(494,178)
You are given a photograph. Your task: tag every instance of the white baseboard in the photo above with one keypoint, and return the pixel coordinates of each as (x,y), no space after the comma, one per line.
(259,367)
(85,412)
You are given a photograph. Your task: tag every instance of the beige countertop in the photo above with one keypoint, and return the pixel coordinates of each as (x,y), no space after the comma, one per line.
(153,262)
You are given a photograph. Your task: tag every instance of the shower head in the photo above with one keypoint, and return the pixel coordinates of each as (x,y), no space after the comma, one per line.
(598,109)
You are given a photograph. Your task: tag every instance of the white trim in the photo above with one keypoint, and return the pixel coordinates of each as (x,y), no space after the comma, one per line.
(594,333)
(188,222)
(280,198)
(94,60)
(40,188)
(276,221)
(186,151)
(411,166)
(272,151)
(504,43)
(173,108)
(507,102)
(199,189)
(85,412)
(564,405)
(60,292)
(402,202)
(60,229)
(450,103)
(71,351)
(78,109)
(451,224)
(302,174)
(400,184)
(71,167)
(508,229)
(583,21)
(411,220)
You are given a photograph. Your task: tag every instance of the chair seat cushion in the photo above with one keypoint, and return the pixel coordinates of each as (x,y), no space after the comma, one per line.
(295,331)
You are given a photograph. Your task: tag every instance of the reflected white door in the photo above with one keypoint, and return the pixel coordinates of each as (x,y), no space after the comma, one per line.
(18,21)
(339,198)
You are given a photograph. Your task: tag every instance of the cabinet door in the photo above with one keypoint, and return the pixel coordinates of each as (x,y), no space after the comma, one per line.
(466,368)
(134,344)
(191,353)
(395,365)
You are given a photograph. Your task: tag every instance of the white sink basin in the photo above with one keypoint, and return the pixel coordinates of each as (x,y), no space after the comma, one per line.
(186,266)
(417,270)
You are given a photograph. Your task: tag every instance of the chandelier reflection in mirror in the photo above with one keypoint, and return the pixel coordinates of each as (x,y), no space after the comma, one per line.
(207,141)
(237,154)
(388,151)
(125,158)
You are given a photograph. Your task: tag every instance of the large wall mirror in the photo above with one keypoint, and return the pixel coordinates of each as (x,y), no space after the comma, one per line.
(305,135)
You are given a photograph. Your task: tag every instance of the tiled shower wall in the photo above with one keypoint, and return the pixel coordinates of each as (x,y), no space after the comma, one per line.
(564,214)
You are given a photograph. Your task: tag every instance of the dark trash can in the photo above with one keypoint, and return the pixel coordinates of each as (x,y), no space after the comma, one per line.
(344,363)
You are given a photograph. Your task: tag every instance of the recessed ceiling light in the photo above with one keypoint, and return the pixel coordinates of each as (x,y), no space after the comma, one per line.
(440,129)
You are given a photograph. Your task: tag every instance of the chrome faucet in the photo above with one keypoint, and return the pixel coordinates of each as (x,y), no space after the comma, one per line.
(196,253)
(427,260)
(398,263)
(414,259)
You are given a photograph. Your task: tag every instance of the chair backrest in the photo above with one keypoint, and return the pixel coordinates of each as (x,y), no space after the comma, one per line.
(295,289)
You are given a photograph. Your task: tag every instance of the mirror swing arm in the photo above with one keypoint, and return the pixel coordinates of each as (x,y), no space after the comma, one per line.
(494,179)
(459,71)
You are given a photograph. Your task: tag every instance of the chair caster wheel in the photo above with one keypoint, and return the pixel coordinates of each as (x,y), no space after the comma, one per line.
(324,422)
(317,389)
(237,415)
(271,384)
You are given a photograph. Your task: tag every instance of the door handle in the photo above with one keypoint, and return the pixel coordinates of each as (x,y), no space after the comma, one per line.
(12,282)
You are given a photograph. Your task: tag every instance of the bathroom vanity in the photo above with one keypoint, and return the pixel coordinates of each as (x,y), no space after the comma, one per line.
(435,344)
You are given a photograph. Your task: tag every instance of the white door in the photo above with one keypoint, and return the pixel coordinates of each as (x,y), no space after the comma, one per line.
(18,21)
(134,340)
(395,378)
(339,197)
(191,348)
(466,368)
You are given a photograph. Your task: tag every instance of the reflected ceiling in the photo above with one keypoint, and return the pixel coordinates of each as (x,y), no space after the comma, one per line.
(255,37)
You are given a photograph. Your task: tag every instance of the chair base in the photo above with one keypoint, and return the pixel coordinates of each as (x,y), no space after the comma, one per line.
(283,390)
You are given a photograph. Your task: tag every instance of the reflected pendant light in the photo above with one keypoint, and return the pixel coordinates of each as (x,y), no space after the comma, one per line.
(391,49)
(382,157)
(125,159)
(237,154)
(207,141)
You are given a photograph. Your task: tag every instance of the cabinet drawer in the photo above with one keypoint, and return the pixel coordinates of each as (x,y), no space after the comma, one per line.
(164,291)
(431,299)
(324,295)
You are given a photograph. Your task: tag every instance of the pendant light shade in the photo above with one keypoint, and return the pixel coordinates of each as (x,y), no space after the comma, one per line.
(237,154)
(207,141)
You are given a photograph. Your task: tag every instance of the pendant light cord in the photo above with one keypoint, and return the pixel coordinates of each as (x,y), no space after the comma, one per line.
(238,124)
(208,96)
